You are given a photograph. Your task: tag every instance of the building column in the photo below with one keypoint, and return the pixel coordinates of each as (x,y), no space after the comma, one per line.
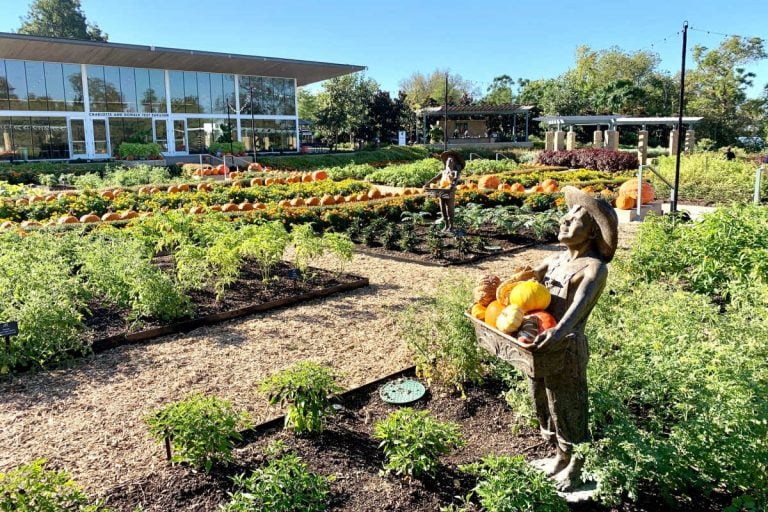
(690,140)
(559,140)
(7,141)
(597,139)
(642,147)
(549,140)
(570,140)
(526,125)
(674,139)
(612,139)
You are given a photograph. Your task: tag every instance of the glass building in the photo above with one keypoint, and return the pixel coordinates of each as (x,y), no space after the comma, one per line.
(70,99)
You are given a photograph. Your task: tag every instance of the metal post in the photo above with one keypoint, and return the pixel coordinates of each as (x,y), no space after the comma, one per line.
(758,178)
(445,128)
(680,119)
(639,190)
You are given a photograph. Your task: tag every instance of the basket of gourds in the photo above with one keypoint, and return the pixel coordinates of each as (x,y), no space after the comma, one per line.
(507,317)
(438,187)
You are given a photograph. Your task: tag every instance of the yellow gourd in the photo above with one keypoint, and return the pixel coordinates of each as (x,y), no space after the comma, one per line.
(478,311)
(510,319)
(530,296)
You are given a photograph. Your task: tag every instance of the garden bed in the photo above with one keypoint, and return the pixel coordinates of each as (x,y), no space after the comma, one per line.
(108,327)
(347,450)
(484,243)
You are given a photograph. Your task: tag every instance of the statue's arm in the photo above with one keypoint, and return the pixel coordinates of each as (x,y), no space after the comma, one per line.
(541,269)
(588,291)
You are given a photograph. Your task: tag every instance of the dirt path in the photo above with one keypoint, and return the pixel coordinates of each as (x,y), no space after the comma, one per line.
(89,418)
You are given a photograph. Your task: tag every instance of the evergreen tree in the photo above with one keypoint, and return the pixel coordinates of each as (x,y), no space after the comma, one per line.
(59,18)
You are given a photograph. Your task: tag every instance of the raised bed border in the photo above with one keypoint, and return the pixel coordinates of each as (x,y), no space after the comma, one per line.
(103,344)
(406,259)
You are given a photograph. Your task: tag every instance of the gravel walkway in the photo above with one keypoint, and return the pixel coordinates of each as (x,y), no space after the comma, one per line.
(88,418)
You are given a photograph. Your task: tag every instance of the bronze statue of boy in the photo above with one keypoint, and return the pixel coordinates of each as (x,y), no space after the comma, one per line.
(575,278)
(454,163)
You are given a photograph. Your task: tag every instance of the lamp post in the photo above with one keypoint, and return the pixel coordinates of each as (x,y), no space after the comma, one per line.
(229,127)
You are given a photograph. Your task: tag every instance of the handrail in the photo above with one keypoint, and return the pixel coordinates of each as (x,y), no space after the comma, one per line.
(640,185)
(474,154)
(758,176)
(505,157)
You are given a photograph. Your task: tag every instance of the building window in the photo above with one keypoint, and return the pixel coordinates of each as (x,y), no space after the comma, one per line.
(17,84)
(128,89)
(31,138)
(73,87)
(176,79)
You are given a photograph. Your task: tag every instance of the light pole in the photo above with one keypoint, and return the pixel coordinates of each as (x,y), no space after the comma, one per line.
(229,127)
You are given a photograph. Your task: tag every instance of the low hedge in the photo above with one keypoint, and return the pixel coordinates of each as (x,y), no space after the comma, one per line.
(30,172)
(313,162)
(600,159)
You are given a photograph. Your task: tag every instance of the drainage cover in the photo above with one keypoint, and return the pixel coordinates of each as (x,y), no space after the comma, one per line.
(402,391)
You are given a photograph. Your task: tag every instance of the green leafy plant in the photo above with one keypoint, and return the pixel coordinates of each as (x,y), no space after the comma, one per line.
(408,240)
(307,245)
(282,485)
(435,242)
(308,389)
(389,236)
(33,488)
(202,429)
(340,246)
(510,484)
(413,441)
(139,150)
(442,338)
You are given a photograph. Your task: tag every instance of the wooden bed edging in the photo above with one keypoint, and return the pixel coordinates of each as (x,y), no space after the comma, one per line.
(251,434)
(100,345)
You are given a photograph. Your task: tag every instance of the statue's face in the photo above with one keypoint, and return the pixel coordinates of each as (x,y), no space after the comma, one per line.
(576,227)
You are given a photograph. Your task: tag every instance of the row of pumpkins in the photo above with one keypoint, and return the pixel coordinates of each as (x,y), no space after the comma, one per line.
(516,307)
(492,182)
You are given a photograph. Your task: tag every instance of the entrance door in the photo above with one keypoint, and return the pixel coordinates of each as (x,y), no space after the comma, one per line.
(100,131)
(160,133)
(77,144)
(180,136)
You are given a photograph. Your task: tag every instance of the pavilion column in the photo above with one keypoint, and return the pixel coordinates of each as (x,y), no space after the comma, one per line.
(559,140)
(526,126)
(7,140)
(549,140)
(612,139)
(642,147)
(597,139)
(690,140)
(514,127)
(674,139)
(570,140)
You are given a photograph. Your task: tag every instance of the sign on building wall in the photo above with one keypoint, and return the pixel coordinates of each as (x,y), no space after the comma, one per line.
(128,114)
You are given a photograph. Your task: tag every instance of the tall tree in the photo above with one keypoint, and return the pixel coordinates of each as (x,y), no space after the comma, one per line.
(424,90)
(344,104)
(500,92)
(308,105)
(59,18)
(717,87)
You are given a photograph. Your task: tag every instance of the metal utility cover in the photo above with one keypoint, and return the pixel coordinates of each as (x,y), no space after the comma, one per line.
(402,391)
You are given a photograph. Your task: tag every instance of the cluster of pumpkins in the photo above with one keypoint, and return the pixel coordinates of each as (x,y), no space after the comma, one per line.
(305,177)
(88,218)
(492,182)
(627,198)
(516,307)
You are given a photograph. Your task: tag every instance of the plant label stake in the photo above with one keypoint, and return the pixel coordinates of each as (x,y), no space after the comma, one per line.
(8,329)
(168,447)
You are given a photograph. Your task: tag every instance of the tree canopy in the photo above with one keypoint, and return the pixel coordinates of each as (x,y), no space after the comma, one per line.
(59,18)
(429,90)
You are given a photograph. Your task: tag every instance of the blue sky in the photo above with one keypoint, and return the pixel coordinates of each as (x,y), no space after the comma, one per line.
(394,38)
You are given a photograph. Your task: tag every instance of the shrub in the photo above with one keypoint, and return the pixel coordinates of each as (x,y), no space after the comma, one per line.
(510,484)
(34,488)
(283,485)
(597,159)
(235,147)
(202,429)
(307,388)
(140,150)
(414,174)
(443,339)
(412,441)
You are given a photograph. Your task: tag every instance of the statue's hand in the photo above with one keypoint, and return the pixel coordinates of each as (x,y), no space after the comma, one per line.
(551,339)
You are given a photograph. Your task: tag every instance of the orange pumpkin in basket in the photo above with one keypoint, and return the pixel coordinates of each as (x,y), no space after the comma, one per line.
(492,312)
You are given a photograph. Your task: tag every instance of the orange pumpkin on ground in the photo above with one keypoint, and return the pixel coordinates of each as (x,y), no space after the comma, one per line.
(204,187)
(551,188)
(350,199)
(361,197)
(629,188)
(172,189)
(245,206)
(145,190)
(229,207)
(269,181)
(297,201)
(537,189)
(313,201)
(221,169)
(110,216)
(128,215)
(338,199)
(216,208)
(407,192)
(7,225)
(183,187)
(284,203)
(319,176)
(197,210)
(22,202)
(89,218)
(259,206)
(549,182)
(68,219)
(625,202)
(492,312)
(327,200)
(490,182)
(36,199)
(374,193)
(29,223)
(254,167)
(517,187)
(306,178)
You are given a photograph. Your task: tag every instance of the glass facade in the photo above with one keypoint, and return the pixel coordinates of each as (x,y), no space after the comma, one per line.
(127,104)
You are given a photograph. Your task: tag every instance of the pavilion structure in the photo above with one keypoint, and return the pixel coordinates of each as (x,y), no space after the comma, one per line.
(471,124)
(556,138)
